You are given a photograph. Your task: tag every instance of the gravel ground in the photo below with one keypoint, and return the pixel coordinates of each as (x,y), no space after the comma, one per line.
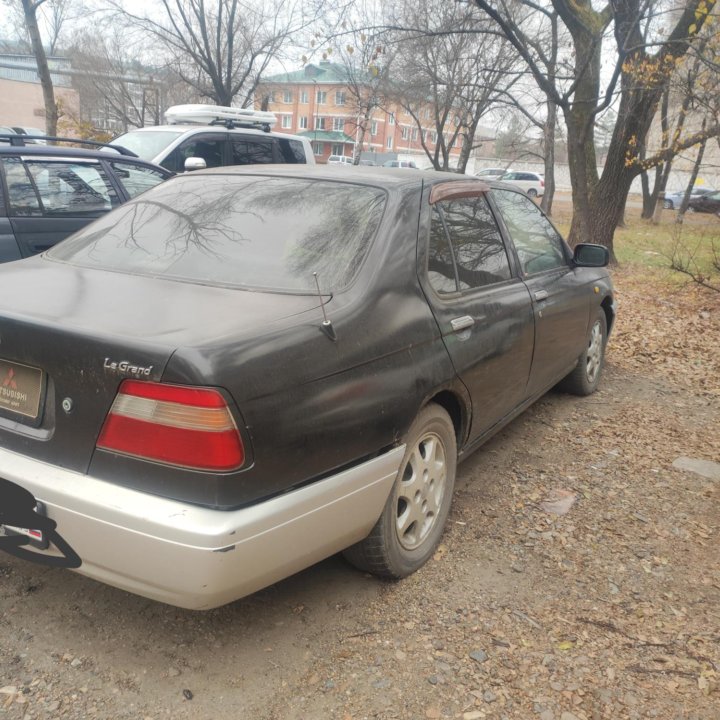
(579,579)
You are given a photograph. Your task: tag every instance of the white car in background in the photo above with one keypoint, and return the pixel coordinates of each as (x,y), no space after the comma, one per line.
(340,160)
(492,173)
(531,183)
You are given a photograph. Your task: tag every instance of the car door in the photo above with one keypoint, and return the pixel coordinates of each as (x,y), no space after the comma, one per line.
(49,198)
(253,150)
(560,293)
(482,308)
(209,146)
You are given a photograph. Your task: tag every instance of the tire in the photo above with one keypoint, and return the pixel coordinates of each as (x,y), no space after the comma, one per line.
(410,528)
(668,205)
(584,379)
(532,192)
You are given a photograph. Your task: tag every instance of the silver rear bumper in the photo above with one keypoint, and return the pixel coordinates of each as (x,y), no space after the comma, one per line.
(198,558)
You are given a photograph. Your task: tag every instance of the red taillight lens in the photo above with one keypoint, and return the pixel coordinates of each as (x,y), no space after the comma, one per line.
(542,183)
(174,424)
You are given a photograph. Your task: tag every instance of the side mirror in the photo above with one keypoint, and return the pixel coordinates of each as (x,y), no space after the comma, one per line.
(588,255)
(195,163)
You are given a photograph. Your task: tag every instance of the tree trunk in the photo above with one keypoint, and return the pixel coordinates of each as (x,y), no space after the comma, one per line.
(691,183)
(51,109)
(549,143)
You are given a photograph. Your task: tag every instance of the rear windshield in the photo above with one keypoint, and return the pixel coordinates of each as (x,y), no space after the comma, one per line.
(147,144)
(263,233)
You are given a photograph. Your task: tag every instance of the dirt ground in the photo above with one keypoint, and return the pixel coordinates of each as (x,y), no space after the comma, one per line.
(610,611)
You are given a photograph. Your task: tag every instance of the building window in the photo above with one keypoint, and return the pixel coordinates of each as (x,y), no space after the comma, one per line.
(405,132)
(303,123)
(389,143)
(414,134)
(391,118)
(339,99)
(426,114)
(338,126)
(318,148)
(304,96)
(287,96)
(271,96)
(287,121)
(373,128)
(321,97)
(338,149)
(319,123)
(433,136)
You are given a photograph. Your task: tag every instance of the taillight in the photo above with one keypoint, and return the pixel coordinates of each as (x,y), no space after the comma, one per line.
(174,424)
(542,183)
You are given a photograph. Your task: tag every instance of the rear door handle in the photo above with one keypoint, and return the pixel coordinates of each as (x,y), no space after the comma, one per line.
(462,323)
(541,295)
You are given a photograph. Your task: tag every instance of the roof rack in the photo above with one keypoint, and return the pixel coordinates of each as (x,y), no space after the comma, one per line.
(228,117)
(25,140)
(234,124)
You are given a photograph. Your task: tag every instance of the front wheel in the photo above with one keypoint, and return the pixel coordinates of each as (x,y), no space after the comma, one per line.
(668,205)
(412,522)
(584,379)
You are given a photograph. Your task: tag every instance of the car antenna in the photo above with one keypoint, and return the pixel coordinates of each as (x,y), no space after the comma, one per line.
(327,326)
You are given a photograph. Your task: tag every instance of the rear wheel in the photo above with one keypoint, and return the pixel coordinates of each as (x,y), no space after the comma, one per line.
(668,205)
(412,522)
(584,379)
(532,192)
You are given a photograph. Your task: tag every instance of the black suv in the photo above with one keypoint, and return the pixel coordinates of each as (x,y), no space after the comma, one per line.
(47,192)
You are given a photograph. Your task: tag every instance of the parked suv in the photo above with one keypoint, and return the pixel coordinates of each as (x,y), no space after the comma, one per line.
(209,139)
(48,192)
(531,183)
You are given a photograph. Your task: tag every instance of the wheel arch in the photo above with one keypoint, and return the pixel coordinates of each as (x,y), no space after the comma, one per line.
(608,307)
(456,409)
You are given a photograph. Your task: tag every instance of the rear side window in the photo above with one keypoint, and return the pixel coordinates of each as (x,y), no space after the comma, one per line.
(478,251)
(264,233)
(539,246)
(252,151)
(291,151)
(58,188)
(137,179)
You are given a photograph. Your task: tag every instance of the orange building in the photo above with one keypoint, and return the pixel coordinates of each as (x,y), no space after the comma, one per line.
(320,103)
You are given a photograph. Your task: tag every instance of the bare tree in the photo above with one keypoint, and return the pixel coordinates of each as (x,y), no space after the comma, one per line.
(447,63)
(647,51)
(220,47)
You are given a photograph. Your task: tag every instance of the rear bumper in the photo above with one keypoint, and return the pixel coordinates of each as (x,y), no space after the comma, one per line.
(198,558)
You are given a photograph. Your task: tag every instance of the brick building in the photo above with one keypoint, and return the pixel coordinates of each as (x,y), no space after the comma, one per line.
(327,105)
(22,99)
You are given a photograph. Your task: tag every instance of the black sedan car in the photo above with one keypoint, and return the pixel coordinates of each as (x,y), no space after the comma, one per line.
(244,371)
(708,203)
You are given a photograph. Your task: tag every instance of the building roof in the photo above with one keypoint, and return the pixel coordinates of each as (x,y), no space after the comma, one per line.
(326,136)
(324,72)
(23,68)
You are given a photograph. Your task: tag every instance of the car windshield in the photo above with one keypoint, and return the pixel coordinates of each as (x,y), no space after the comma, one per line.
(147,144)
(265,233)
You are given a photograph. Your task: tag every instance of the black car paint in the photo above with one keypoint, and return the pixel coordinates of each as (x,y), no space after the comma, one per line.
(306,405)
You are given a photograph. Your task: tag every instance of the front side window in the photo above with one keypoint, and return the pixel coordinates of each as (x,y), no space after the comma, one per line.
(207,147)
(136,179)
(261,233)
(59,188)
(538,244)
(478,251)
